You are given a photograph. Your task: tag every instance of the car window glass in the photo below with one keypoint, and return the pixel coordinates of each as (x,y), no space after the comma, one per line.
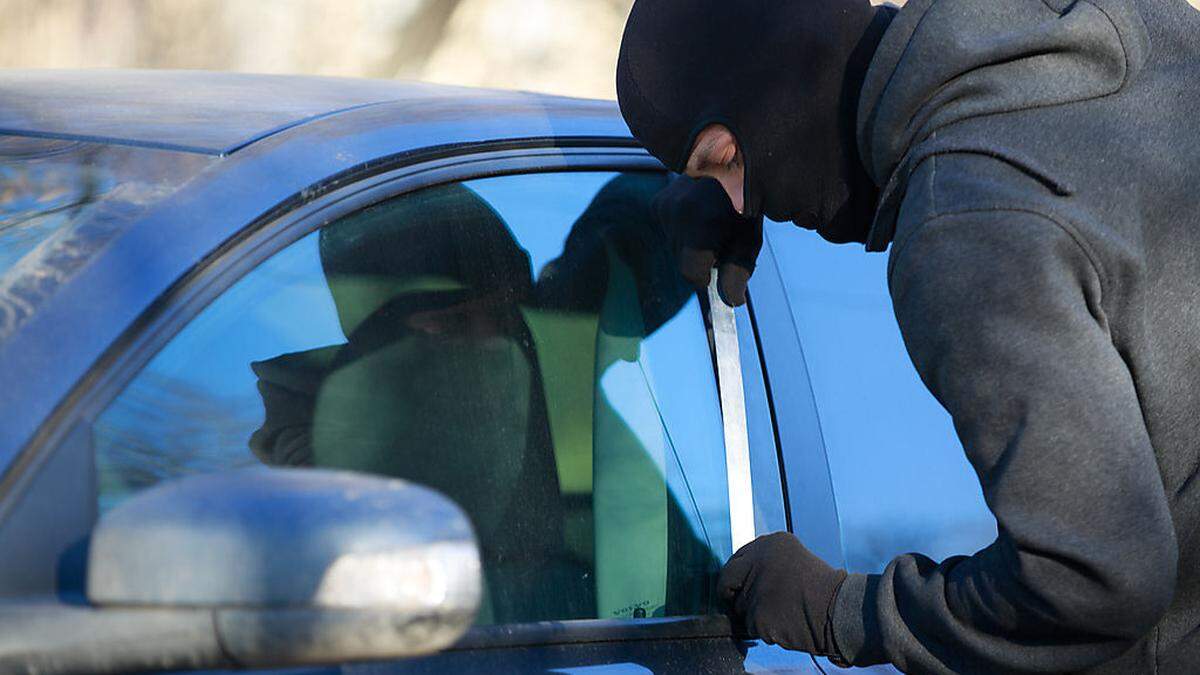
(521,343)
(901,480)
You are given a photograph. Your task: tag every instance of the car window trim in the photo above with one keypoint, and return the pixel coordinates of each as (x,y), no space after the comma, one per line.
(581,631)
(273,232)
(801,446)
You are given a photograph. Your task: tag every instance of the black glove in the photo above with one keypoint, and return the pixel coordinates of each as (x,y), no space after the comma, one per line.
(704,232)
(780,592)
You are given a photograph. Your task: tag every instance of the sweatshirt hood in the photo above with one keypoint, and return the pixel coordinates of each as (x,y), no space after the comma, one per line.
(783,77)
(945,62)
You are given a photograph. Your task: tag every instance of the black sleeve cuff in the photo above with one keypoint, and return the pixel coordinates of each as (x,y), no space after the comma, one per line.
(856,633)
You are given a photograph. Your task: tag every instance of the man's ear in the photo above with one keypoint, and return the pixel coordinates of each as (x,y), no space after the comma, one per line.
(710,148)
(721,145)
(725,145)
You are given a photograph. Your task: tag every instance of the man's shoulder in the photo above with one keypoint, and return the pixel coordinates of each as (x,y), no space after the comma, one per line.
(991,216)
(951,183)
(299,371)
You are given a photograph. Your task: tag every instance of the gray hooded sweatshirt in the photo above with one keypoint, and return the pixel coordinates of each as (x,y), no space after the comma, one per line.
(1040,166)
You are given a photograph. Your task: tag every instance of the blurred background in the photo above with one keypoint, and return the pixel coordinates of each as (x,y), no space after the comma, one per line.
(557,46)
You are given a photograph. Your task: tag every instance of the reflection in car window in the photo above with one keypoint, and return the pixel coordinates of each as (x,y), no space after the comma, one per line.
(520,343)
(50,187)
(900,477)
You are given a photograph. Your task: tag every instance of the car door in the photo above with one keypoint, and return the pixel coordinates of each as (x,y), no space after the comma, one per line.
(872,465)
(514,335)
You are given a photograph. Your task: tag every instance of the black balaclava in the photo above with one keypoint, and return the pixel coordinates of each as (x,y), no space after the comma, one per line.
(783,75)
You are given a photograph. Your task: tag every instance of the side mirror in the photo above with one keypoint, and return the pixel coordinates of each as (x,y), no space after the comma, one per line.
(272,567)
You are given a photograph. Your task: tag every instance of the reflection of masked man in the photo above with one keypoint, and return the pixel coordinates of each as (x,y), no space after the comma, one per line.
(436,383)
(617,267)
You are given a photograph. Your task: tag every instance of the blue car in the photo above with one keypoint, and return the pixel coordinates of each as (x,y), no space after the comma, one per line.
(344,375)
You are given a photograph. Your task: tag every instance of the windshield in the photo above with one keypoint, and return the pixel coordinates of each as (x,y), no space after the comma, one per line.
(49,186)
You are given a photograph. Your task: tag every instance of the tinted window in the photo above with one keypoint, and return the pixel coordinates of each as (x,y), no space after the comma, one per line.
(900,478)
(520,343)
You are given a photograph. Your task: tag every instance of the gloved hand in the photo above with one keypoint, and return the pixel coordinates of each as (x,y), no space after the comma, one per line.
(704,232)
(780,592)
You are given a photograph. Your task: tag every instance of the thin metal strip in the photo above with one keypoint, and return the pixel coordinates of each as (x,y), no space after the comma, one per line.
(733,418)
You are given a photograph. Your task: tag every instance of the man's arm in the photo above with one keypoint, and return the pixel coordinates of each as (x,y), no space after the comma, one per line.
(1001,313)
(289,384)
(620,224)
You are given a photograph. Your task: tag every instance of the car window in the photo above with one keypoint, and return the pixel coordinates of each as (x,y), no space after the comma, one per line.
(900,478)
(521,343)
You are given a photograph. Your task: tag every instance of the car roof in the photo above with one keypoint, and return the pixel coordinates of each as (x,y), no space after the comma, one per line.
(200,111)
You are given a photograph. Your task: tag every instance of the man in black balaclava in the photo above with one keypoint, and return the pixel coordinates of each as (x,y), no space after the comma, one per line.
(1032,165)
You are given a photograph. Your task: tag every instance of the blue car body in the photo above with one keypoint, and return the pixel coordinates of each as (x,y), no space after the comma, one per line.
(848,449)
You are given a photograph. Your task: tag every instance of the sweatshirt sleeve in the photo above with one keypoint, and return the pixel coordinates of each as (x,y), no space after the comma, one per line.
(1001,314)
(289,385)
